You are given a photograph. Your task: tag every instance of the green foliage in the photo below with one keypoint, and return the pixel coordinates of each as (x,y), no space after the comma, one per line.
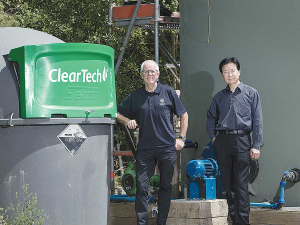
(173,5)
(6,19)
(25,211)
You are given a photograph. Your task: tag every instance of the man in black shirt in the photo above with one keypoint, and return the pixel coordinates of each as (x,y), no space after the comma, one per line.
(152,108)
(234,113)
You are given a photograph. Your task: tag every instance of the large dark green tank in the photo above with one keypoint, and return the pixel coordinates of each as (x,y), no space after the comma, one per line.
(264,36)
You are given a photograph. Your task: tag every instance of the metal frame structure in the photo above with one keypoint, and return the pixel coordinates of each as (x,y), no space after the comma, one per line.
(146,17)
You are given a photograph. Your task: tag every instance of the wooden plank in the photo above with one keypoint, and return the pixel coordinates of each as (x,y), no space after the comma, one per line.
(179,209)
(204,212)
(124,209)
(205,221)
(127,210)
(128,221)
(182,208)
(271,216)
(172,221)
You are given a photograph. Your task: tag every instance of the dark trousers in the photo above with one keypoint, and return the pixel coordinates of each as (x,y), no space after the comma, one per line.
(145,167)
(233,157)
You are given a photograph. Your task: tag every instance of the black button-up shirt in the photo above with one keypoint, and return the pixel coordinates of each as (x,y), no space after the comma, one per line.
(153,112)
(238,110)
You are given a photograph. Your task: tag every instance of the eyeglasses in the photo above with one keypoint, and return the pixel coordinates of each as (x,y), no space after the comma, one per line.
(150,71)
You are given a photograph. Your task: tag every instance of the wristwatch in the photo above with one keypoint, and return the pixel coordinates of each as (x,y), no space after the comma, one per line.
(182,137)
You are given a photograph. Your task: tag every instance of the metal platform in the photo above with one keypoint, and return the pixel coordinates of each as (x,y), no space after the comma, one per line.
(121,17)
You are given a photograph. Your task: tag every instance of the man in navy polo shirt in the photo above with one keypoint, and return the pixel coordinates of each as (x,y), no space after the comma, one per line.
(151,108)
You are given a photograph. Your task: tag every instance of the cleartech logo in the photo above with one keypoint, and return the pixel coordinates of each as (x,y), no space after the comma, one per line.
(84,75)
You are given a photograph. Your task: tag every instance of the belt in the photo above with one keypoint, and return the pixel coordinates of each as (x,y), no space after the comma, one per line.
(233,132)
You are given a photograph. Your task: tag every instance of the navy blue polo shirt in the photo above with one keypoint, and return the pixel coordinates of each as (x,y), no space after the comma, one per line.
(153,112)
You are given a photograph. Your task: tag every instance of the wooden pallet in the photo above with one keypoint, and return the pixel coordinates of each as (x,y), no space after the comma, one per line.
(187,212)
(204,212)
(274,217)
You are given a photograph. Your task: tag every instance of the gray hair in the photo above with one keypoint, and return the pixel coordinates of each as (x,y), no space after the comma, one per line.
(149,61)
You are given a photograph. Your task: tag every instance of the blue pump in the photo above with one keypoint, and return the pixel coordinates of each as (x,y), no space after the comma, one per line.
(207,170)
(202,170)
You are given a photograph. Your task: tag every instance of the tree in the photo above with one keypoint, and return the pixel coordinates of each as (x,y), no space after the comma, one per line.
(6,19)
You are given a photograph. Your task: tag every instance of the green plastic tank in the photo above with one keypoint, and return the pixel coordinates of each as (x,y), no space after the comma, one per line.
(66,80)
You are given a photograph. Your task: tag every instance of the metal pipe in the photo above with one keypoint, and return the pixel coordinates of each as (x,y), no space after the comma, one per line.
(120,160)
(135,12)
(269,205)
(112,173)
(110,15)
(123,153)
(281,197)
(122,198)
(167,53)
(156,30)
(169,56)
(177,78)
(292,176)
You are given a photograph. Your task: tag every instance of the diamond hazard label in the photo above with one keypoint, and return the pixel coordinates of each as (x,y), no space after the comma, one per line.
(72,138)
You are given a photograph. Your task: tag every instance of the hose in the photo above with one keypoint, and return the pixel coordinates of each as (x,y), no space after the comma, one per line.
(293,176)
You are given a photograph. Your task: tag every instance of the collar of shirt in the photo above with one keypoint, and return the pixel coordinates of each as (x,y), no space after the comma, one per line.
(156,91)
(241,86)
